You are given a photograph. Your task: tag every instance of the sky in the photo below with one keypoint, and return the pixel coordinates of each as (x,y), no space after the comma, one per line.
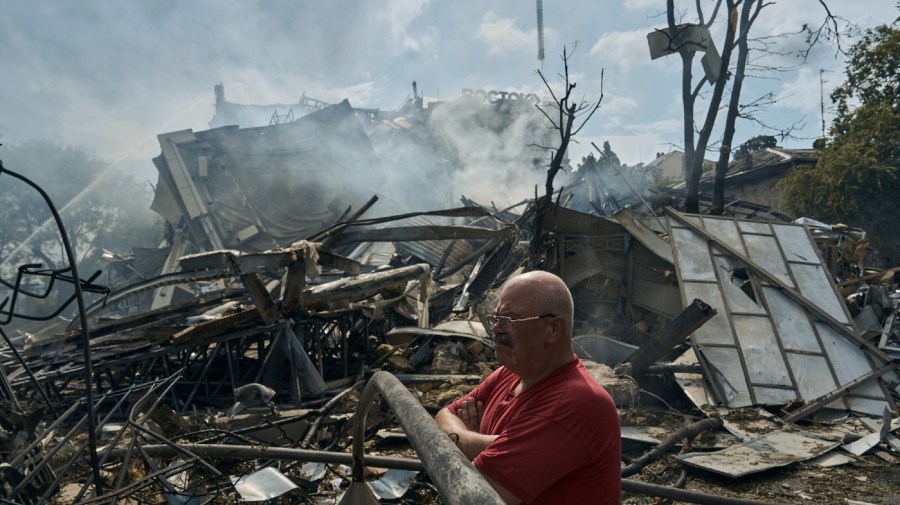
(108,76)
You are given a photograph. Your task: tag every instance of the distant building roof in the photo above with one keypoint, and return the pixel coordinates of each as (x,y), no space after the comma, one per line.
(671,164)
(764,163)
(761,164)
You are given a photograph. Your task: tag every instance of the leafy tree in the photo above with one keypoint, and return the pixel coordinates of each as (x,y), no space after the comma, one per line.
(745,152)
(100,207)
(856,180)
(872,74)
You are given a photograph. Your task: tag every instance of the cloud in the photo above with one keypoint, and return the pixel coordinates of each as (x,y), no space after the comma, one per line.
(398,15)
(801,93)
(110,75)
(619,105)
(624,49)
(635,5)
(502,36)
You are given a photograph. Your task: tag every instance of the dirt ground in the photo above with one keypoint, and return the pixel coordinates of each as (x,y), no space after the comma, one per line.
(873,478)
(869,479)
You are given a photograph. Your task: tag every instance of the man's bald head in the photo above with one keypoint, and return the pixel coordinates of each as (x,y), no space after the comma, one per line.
(547,292)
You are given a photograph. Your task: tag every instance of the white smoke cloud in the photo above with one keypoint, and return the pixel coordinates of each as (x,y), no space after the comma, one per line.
(77,72)
(503,36)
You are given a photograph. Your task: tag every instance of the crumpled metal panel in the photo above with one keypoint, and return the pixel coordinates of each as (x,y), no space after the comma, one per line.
(765,347)
(773,450)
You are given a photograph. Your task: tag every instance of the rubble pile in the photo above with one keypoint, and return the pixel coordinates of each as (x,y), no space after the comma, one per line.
(227,365)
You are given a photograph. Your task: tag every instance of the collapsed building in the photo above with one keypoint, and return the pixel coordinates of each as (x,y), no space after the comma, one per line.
(292,263)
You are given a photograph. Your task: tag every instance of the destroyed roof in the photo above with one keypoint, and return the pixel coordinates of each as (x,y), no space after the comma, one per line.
(258,188)
(266,297)
(762,164)
(283,323)
(248,115)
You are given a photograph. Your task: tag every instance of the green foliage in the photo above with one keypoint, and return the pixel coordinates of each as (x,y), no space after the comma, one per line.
(856,180)
(100,207)
(872,74)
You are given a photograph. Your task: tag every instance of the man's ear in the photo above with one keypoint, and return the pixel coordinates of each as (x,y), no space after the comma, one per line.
(558,327)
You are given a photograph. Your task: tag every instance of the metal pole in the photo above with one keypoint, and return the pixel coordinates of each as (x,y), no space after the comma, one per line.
(457,480)
(88,374)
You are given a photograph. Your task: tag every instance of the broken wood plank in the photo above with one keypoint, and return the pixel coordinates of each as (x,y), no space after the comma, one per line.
(678,329)
(415,233)
(363,286)
(209,329)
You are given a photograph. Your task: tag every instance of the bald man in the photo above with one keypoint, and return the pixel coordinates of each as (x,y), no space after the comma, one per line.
(540,429)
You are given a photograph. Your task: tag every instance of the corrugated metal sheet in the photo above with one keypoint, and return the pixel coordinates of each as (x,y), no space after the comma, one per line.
(432,251)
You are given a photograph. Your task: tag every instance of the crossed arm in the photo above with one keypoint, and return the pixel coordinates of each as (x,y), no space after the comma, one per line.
(465,424)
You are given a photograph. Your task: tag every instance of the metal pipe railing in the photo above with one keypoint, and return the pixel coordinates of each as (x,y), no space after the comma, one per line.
(456,479)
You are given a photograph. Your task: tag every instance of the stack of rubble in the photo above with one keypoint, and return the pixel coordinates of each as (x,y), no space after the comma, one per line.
(257,333)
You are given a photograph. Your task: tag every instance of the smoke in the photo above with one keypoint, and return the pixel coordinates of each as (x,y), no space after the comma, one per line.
(500,148)
(486,150)
(109,76)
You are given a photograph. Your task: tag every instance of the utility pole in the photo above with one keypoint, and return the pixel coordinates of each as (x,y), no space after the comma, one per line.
(822,99)
(540,31)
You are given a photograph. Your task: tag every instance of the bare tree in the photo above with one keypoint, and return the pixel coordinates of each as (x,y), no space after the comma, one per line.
(567,111)
(749,12)
(683,39)
(746,20)
(687,47)
(567,117)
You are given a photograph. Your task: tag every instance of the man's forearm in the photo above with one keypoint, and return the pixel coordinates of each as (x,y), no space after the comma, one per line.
(471,443)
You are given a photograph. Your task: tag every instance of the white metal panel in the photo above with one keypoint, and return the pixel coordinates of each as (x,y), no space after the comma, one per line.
(771,341)
(737,299)
(791,322)
(761,352)
(815,285)
(774,396)
(765,252)
(845,356)
(812,374)
(728,363)
(716,330)
(775,449)
(750,227)
(693,256)
(796,244)
(725,229)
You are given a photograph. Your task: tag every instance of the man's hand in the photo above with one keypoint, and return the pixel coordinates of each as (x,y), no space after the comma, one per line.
(465,424)
(470,441)
(470,414)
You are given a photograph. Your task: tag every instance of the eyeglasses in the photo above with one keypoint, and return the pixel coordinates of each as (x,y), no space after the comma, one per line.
(505,323)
